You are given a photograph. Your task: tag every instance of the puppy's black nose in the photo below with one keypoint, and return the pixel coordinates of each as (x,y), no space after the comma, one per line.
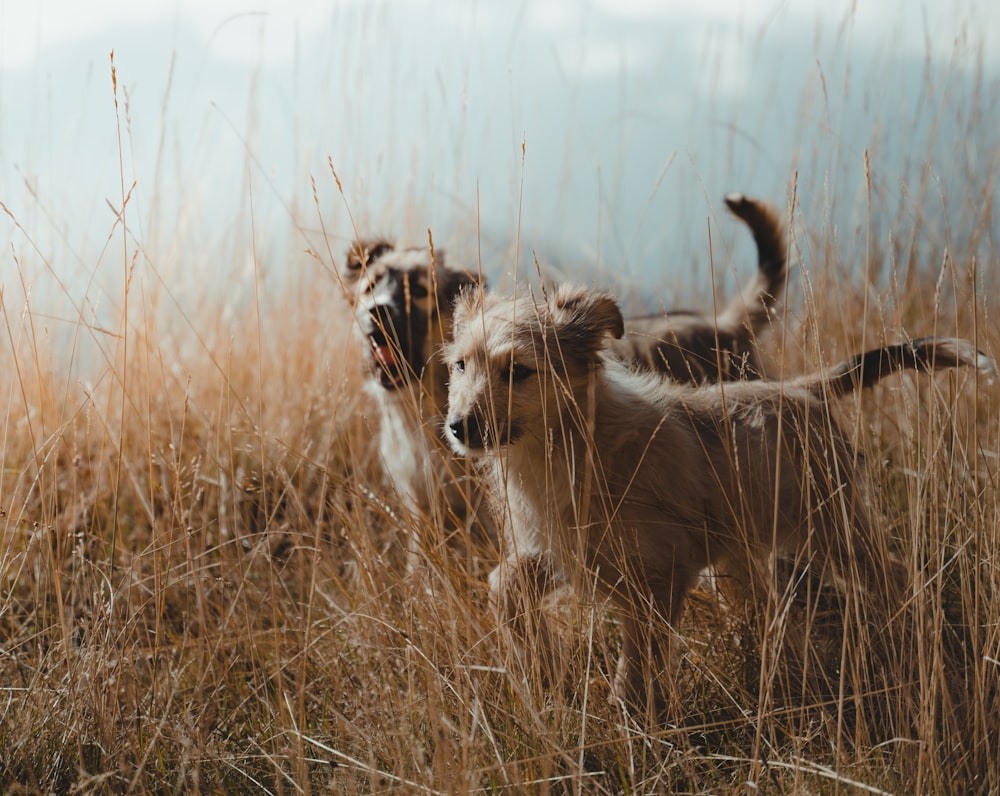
(467,431)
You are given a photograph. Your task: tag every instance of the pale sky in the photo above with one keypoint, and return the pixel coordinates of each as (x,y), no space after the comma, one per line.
(636,117)
(29,30)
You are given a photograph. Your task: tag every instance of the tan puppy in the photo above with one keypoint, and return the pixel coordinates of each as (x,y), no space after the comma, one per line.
(604,475)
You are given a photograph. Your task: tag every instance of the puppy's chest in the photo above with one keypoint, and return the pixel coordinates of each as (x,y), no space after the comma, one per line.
(543,507)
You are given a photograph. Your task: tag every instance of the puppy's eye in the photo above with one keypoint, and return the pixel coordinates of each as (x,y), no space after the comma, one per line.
(377,251)
(417,290)
(458,366)
(518,372)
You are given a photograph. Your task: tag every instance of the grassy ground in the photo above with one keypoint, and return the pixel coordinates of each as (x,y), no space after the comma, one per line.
(202,592)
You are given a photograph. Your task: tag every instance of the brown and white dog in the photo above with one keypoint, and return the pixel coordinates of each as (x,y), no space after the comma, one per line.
(604,476)
(403,305)
(403,300)
(694,347)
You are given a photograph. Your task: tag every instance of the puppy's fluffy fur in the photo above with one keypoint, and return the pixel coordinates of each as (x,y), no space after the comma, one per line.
(403,300)
(602,472)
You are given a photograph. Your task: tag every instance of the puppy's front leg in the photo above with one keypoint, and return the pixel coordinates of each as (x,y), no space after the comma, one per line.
(647,616)
(517,587)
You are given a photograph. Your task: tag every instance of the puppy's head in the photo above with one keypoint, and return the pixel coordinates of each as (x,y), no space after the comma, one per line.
(516,365)
(403,300)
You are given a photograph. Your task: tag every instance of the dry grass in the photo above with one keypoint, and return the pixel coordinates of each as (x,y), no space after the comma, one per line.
(201,592)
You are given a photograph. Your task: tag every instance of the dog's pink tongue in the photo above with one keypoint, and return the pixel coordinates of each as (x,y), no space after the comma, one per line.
(384,355)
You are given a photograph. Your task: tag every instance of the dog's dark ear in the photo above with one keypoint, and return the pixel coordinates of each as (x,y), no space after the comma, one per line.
(586,315)
(450,284)
(363,253)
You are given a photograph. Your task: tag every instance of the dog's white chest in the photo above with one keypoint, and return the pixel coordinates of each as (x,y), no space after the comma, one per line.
(405,451)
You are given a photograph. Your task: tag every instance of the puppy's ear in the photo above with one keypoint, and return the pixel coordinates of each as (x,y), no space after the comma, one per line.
(469,297)
(363,253)
(586,315)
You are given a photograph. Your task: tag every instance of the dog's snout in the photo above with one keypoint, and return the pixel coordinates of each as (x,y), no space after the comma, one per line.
(386,313)
(384,322)
(380,317)
(467,430)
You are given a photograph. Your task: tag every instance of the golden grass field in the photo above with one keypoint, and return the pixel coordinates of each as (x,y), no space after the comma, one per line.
(204,589)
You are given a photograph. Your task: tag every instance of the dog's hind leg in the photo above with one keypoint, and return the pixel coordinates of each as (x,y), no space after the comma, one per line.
(843,540)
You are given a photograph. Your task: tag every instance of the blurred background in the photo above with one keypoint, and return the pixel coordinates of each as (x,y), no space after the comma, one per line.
(599,137)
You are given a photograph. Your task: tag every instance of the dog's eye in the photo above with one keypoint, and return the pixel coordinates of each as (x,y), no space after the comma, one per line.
(518,372)
(377,251)
(458,366)
(417,290)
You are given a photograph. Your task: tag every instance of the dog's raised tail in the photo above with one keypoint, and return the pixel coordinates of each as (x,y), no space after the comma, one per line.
(923,354)
(752,307)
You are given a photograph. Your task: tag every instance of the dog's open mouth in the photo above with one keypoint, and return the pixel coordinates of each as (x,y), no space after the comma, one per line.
(391,370)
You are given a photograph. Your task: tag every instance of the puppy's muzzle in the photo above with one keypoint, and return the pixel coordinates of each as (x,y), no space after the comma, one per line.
(468,431)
